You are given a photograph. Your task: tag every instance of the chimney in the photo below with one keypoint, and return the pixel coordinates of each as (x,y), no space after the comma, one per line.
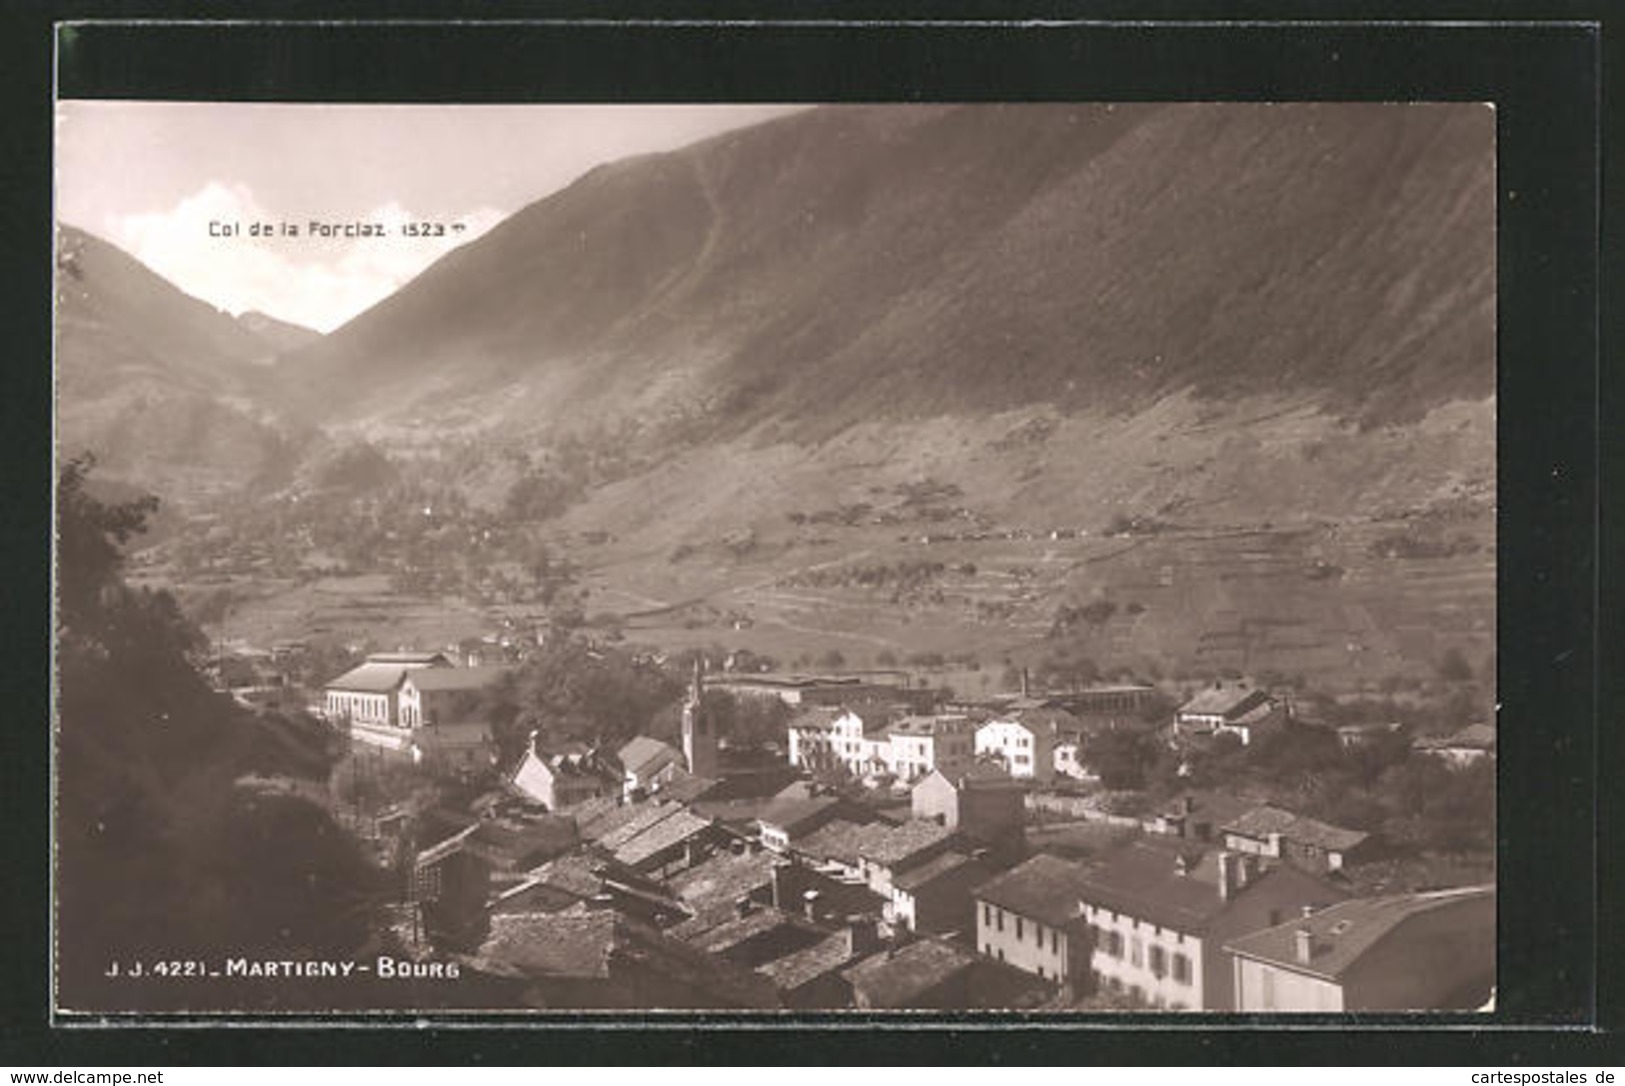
(809,899)
(1182,866)
(1187,805)
(780,883)
(1305,944)
(1227,875)
(1308,911)
(862,935)
(1026,680)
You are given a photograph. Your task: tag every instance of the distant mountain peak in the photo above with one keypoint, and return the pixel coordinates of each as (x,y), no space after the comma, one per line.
(280,335)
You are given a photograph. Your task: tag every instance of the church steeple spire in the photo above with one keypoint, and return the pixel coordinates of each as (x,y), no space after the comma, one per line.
(699,737)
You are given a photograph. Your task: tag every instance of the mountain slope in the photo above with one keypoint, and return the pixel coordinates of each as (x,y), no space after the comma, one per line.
(161,386)
(852,263)
(278,335)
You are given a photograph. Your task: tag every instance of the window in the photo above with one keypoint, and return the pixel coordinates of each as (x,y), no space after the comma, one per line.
(1018,929)
(1158,961)
(1001,954)
(1040,972)
(999,916)
(1054,941)
(987,914)
(1136,952)
(1182,968)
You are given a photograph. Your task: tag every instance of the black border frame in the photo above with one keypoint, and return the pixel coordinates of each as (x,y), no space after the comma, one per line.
(1544,74)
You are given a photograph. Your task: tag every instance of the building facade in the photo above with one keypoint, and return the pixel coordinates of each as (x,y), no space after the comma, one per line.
(1407,952)
(1161,911)
(1030,918)
(1025,747)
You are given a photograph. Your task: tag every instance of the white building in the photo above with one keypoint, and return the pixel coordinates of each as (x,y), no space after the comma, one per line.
(916,745)
(1026,741)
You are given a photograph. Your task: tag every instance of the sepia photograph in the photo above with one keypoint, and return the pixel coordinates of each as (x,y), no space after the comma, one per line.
(777,559)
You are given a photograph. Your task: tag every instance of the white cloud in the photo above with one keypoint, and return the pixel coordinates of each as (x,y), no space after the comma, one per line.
(315,280)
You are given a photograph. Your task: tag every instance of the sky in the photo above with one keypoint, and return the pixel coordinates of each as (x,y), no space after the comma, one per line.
(166,181)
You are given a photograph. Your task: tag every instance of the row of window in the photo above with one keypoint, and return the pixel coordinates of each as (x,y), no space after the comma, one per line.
(1135,992)
(358,707)
(994,918)
(1155,957)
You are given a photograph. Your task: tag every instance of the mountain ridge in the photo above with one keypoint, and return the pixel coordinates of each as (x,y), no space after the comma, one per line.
(898,262)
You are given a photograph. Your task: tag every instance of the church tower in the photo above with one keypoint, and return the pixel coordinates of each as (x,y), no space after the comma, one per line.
(699,731)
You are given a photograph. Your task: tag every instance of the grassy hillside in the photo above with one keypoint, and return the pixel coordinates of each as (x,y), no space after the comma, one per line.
(860,262)
(161,386)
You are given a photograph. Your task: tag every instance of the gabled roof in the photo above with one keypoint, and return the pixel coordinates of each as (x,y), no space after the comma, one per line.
(927,725)
(596,946)
(793,815)
(684,787)
(410,659)
(455,678)
(948,868)
(1227,700)
(741,929)
(1210,806)
(741,813)
(805,966)
(1261,822)
(370,678)
(548,945)
(1141,879)
(902,844)
(553,887)
(644,816)
(1045,888)
(977,775)
(1038,719)
(596,817)
(841,840)
(1342,933)
(722,879)
(509,844)
(897,978)
(643,756)
(818,718)
(667,833)
(445,847)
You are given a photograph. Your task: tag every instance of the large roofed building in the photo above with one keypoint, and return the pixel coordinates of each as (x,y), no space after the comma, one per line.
(1160,910)
(414,703)
(1407,952)
(1280,834)
(1238,709)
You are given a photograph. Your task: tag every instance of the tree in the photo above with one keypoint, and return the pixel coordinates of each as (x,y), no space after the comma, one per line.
(567,690)
(90,538)
(148,762)
(1121,759)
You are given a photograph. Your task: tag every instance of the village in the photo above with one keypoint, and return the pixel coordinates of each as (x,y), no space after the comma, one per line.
(890,847)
